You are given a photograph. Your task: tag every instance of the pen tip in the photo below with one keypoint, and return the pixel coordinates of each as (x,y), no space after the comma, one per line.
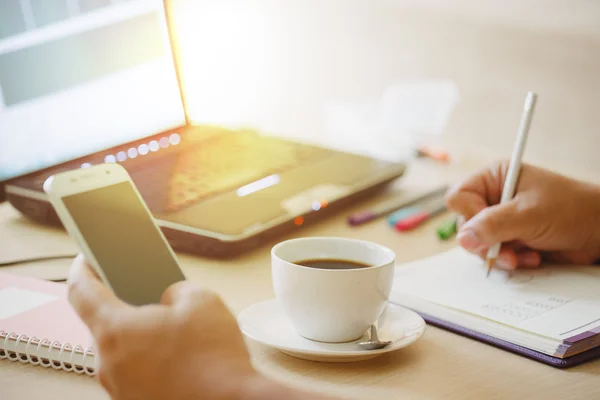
(490,264)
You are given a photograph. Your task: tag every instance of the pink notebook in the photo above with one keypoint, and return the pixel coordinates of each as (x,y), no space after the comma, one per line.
(39,326)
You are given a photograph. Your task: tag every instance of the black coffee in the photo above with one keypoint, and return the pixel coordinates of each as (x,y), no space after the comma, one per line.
(332,263)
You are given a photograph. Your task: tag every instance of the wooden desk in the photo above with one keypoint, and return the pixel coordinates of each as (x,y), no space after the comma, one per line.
(440,365)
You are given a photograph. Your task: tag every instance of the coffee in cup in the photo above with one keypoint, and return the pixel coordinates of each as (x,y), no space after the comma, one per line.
(331,263)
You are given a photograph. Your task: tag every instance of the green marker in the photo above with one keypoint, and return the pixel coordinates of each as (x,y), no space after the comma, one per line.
(447,229)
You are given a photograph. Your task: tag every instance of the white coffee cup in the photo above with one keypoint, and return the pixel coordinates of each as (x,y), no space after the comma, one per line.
(332,305)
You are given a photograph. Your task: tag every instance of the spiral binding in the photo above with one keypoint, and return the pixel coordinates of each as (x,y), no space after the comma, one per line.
(61,362)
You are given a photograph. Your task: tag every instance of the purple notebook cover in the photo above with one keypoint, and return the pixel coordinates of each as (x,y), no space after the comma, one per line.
(523,351)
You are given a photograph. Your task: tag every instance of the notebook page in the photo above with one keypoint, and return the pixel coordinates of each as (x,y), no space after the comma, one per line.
(559,302)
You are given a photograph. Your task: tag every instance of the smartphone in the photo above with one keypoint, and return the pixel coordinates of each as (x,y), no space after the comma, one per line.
(102,210)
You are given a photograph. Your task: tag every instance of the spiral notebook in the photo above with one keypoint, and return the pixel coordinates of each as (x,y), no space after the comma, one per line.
(550,314)
(38,326)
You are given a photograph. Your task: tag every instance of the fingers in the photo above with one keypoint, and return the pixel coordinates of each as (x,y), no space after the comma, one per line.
(529,259)
(187,296)
(495,224)
(91,299)
(175,293)
(477,192)
(465,202)
(485,222)
(507,257)
(513,256)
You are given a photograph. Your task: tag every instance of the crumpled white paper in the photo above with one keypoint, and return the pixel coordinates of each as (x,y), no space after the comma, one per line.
(406,116)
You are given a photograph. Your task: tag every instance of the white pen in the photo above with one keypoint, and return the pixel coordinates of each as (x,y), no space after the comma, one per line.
(514,168)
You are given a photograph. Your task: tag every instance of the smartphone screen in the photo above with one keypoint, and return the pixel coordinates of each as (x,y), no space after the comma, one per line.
(127,244)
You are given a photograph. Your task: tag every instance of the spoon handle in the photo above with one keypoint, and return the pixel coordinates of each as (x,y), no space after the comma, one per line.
(374,337)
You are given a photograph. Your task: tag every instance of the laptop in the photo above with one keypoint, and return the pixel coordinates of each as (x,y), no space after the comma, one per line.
(86,82)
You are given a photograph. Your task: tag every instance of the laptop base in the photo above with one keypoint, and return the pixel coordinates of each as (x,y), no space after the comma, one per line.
(41,211)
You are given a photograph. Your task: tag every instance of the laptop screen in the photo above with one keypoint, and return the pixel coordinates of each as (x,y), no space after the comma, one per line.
(79,76)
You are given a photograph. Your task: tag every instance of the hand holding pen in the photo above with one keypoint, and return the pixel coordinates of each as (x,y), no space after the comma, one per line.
(551,217)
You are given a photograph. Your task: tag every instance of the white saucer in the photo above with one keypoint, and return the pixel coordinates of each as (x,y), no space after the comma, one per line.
(266,323)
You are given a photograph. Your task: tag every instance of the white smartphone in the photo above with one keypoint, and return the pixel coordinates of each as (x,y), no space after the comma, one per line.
(102,210)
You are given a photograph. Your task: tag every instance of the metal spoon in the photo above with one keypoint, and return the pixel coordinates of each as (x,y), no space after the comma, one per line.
(374,343)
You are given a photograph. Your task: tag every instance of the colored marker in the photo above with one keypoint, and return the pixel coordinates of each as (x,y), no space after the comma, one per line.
(392,205)
(435,154)
(401,214)
(414,220)
(446,230)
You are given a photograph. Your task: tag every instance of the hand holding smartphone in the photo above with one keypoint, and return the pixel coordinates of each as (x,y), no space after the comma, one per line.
(102,210)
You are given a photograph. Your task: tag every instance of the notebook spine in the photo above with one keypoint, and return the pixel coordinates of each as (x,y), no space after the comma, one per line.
(59,356)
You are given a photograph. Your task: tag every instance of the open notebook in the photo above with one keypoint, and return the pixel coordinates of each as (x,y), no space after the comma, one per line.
(39,326)
(550,314)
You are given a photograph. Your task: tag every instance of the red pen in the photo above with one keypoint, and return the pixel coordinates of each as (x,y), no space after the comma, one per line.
(414,220)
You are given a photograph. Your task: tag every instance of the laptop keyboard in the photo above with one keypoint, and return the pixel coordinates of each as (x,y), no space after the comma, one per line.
(202,166)
(216,165)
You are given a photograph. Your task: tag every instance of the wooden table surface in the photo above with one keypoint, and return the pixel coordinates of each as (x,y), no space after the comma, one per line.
(439,365)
